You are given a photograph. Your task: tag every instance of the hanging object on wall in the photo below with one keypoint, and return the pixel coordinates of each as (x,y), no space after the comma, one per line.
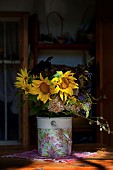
(54,28)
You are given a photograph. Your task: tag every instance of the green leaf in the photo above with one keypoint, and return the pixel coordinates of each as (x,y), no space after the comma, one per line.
(32,97)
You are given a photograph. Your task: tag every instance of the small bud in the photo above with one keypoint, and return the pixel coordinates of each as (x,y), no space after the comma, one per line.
(100,128)
(98,123)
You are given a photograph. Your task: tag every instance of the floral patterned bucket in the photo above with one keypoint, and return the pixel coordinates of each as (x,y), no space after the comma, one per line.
(54,136)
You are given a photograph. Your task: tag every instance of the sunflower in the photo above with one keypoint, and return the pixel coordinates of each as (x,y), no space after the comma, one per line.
(65,84)
(28,89)
(43,88)
(22,78)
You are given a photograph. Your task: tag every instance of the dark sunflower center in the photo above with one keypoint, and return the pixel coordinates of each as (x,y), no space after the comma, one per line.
(27,89)
(25,78)
(44,88)
(65,83)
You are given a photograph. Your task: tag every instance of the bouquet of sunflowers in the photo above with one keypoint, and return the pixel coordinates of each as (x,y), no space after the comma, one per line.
(54,91)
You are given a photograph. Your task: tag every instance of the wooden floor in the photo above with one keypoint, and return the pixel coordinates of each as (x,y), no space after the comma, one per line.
(102,161)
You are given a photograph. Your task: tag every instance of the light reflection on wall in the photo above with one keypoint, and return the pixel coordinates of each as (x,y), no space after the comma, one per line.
(65,57)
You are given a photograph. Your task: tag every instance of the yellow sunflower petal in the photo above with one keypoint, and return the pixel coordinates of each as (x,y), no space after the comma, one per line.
(61,96)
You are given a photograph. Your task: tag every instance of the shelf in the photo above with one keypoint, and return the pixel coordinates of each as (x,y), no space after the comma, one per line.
(64,46)
(85,130)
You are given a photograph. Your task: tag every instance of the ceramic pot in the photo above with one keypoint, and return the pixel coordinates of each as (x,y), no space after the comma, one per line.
(54,136)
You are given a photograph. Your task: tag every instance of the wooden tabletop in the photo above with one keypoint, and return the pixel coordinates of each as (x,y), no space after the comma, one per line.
(103,160)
